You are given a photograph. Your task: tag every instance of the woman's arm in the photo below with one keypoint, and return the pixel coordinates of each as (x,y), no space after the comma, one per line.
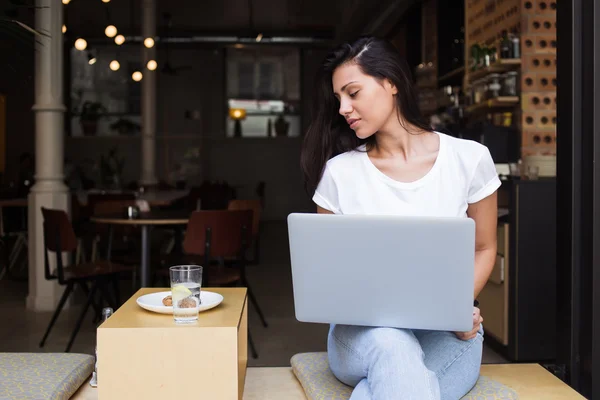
(321,210)
(485,214)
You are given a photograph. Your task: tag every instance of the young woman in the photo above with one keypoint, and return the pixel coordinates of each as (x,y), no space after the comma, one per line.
(369,151)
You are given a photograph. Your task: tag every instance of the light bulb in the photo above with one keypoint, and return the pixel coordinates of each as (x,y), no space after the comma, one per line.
(92,61)
(106,1)
(110,31)
(80,44)
(137,76)
(120,39)
(151,65)
(149,42)
(114,65)
(66,1)
(64,29)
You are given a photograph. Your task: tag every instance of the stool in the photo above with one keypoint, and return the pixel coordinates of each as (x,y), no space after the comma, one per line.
(319,383)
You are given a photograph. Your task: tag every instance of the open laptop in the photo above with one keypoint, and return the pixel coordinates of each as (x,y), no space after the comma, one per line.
(392,271)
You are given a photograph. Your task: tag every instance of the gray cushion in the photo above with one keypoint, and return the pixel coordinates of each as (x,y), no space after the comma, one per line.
(319,383)
(47,376)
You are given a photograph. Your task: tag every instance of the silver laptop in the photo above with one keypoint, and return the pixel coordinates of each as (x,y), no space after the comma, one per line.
(391,271)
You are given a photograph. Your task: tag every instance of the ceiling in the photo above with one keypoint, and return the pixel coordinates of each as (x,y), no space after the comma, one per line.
(231,17)
(325,19)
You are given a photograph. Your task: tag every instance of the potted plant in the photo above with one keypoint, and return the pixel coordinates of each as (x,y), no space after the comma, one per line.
(91,112)
(125,127)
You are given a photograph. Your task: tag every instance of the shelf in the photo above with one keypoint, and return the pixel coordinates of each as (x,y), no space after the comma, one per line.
(503,65)
(498,102)
(452,74)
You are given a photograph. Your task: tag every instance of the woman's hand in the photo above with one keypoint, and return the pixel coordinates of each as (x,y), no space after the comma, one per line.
(477,320)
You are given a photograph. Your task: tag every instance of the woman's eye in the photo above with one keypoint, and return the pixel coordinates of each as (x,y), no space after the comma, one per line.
(354,94)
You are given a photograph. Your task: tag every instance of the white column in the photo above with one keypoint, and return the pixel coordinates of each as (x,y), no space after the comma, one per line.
(148,96)
(49,190)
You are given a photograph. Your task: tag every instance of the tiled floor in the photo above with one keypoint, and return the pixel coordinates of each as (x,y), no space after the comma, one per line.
(22,330)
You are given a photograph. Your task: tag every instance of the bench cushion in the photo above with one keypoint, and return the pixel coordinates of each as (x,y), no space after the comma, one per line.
(52,376)
(319,383)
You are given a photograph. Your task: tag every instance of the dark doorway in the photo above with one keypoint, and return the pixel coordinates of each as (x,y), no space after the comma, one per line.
(578,219)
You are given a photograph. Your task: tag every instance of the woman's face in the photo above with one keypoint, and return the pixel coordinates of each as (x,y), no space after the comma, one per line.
(367,104)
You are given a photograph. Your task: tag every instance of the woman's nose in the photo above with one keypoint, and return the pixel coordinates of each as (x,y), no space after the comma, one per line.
(345,107)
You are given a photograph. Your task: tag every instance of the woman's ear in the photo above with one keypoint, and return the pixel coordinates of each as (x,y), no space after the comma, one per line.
(391,87)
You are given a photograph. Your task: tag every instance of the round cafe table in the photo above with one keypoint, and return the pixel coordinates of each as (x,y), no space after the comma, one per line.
(145,221)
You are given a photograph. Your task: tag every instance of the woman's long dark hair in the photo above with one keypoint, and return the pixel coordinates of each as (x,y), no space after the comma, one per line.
(329,134)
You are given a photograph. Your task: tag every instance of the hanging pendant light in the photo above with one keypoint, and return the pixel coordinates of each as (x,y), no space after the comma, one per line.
(151,65)
(110,31)
(80,44)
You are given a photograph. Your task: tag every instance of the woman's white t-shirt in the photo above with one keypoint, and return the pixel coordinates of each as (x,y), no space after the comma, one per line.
(463,173)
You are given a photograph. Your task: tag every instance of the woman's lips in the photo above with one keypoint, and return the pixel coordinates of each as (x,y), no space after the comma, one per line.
(353,122)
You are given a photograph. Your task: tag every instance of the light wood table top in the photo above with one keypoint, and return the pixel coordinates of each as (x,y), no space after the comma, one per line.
(277,383)
(531,381)
(226,314)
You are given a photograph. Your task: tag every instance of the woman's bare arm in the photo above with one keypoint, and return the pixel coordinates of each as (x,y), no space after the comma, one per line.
(321,210)
(485,214)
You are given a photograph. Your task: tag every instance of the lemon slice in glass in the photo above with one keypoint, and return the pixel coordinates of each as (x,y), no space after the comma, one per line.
(180,291)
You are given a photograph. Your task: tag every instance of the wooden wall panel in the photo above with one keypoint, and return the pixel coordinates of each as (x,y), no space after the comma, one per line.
(538,83)
(535,22)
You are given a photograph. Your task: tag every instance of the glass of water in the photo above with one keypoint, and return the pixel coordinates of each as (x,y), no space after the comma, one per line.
(185,292)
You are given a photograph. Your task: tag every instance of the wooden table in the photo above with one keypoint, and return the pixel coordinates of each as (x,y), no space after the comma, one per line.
(145,221)
(145,355)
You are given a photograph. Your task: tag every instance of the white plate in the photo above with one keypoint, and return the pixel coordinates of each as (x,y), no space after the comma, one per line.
(153,301)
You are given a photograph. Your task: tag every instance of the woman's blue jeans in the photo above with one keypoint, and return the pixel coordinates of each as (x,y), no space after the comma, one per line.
(390,363)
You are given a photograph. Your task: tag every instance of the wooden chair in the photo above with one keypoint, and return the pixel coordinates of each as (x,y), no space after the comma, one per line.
(105,234)
(59,237)
(215,236)
(207,196)
(255,206)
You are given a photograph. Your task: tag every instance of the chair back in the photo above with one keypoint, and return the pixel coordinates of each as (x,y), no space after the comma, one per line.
(219,233)
(59,237)
(94,198)
(213,195)
(254,205)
